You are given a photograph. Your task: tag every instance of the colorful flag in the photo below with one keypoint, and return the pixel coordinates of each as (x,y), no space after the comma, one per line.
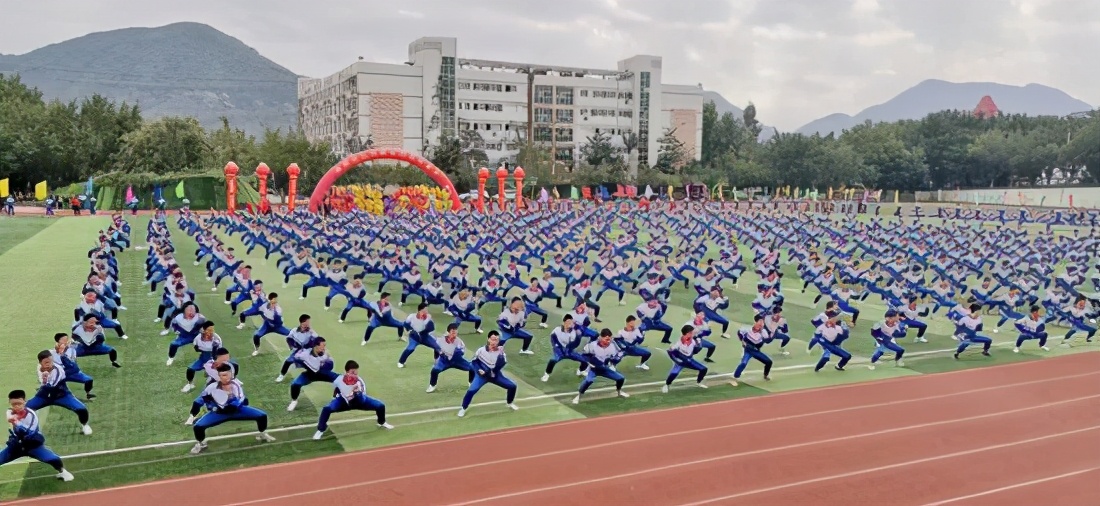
(40,191)
(179,190)
(129,194)
(4,187)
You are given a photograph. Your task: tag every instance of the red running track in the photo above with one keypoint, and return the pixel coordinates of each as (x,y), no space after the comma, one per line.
(1025,433)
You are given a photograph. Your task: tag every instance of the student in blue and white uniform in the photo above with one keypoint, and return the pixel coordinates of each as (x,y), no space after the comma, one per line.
(52,391)
(64,358)
(830,335)
(316,365)
(25,439)
(602,355)
(886,333)
(489,362)
(630,340)
(383,317)
(967,327)
(272,316)
(302,337)
(225,401)
(909,315)
(420,327)
(1078,317)
(651,312)
(511,322)
(462,307)
(356,293)
(564,341)
(351,394)
(207,343)
(709,304)
(753,339)
(1031,327)
(187,325)
(452,355)
(90,341)
(682,352)
(90,305)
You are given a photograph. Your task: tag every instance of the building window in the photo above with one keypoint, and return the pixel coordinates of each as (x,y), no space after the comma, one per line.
(626,114)
(446,91)
(509,88)
(543,115)
(564,155)
(563,135)
(643,121)
(544,94)
(542,134)
(463,125)
(565,96)
(462,85)
(565,115)
(584,93)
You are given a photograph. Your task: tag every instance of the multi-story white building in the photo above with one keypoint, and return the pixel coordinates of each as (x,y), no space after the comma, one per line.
(497,106)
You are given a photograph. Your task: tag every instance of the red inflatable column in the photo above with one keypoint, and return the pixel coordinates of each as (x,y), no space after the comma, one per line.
(262,173)
(231,171)
(502,175)
(482,178)
(518,174)
(292,185)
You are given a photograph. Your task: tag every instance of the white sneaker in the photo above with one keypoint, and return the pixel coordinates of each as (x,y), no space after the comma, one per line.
(318,435)
(545,378)
(169,362)
(265,437)
(339,321)
(124,337)
(996,331)
(479,331)
(871,367)
(87,430)
(542,325)
(164,332)
(301,298)
(784,353)
(577,399)
(190,420)
(899,363)
(526,352)
(156,320)
(734,382)
(65,475)
(256,352)
(1015,350)
(643,367)
(623,394)
(292,405)
(213,289)
(240,326)
(922,339)
(581,373)
(284,285)
(701,385)
(461,412)
(122,308)
(386,426)
(664,389)
(726,335)
(327,308)
(1044,348)
(198,448)
(622,302)
(513,407)
(227,302)
(279,378)
(400,365)
(187,388)
(362,343)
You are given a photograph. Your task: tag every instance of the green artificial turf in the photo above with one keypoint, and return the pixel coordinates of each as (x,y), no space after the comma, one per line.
(140,406)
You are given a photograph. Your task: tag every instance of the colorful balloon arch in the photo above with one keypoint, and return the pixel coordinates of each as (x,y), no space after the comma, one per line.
(318,198)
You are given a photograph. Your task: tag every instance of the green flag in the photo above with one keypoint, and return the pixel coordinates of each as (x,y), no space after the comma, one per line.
(179,190)
(573,194)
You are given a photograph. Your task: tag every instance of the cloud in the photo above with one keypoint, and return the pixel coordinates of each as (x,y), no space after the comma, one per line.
(797,60)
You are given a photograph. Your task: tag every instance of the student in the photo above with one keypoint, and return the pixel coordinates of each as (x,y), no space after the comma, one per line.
(682,352)
(317,366)
(753,339)
(630,339)
(564,341)
(25,439)
(420,327)
(272,316)
(602,355)
(383,317)
(301,338)
(966,331)
(452,352)
(351,394)
(90,340)
(225,401)
(207,344)
(511,322)
(187,325)
(886,333)
(1031,327)
(489,362)
(64,357)
(830,335)
(53,392)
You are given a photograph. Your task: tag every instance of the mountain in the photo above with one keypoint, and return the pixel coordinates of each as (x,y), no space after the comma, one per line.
(186,69)
(934,95)
(723,106)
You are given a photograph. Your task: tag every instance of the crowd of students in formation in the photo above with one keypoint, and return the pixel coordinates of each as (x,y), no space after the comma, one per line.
(916,268)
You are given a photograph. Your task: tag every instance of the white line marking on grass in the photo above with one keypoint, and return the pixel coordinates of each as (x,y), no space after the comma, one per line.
(684,464)
(1013,487)
(892,466)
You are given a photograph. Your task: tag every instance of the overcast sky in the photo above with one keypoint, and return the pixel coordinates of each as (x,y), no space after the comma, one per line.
(797,60)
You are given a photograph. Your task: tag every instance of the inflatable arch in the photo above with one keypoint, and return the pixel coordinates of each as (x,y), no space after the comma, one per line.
(318,198)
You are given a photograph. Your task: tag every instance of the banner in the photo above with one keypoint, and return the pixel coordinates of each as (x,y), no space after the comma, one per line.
(129,194)
(4,187)
(574,194)
(40,191)
(179,190)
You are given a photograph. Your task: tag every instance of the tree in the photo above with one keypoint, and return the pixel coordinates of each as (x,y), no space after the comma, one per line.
(597,150)
(671,155)
(171,144)
(278,150)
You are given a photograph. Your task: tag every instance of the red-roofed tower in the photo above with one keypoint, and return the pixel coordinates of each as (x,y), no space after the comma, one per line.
(986,108)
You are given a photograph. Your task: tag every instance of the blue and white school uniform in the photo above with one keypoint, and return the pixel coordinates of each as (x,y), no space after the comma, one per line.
(563,346)
(420,330)
(187,329)
(885,336)
(511,326)
(601,363)
(710,307)
(25,439)
(1078,319)
(752,341)
(314,368)
(356,299)
(630,343)
(651,318)
(830,338)
(489,366)
(966,331)
(1031,328)
(682,355)
(350,395)
(452,355)
(272,316)
(778,330)
(68,365)
(463,311)
(225,406)
(52,391)
(383,317)
(91,343)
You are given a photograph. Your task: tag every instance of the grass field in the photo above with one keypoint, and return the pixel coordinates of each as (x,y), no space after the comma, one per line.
(138,415)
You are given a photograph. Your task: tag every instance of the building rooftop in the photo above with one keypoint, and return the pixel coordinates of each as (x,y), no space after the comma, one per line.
(502,66)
